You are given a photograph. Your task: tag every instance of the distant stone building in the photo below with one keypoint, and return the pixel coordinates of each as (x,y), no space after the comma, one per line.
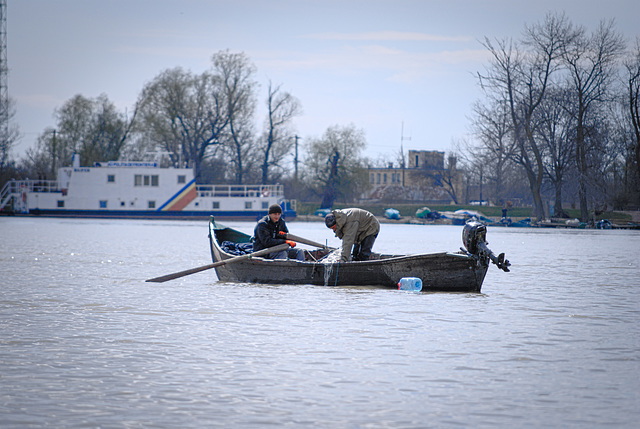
(424,159)
(424,179)
(386,176)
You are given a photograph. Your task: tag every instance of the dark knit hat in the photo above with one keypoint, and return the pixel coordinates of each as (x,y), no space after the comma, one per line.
(330,220)
(275,208)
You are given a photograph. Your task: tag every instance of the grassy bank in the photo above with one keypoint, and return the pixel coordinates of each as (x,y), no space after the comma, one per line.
(409,210)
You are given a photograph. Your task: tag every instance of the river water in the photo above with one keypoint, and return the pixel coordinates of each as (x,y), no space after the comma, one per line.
(86,342)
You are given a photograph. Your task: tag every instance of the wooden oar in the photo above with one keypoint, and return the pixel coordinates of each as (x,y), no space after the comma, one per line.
(168,277)
(305,241)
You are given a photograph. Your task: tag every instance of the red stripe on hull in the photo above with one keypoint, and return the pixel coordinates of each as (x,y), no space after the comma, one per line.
(185,200)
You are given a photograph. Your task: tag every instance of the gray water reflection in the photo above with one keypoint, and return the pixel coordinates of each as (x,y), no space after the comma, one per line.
(87,343)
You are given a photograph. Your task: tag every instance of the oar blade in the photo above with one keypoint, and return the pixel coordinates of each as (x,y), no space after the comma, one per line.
(172,276)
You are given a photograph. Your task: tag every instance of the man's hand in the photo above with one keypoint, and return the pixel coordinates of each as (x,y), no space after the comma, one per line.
(291,243)
(282,233)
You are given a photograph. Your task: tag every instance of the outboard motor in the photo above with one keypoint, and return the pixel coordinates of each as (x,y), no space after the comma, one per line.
(474,236)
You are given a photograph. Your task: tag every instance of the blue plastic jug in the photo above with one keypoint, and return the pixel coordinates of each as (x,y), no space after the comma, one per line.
(410,283)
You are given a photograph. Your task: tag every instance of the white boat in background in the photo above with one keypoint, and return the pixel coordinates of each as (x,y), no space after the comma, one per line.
(143,190)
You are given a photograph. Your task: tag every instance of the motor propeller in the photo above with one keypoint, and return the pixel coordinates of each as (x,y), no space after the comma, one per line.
(474,236)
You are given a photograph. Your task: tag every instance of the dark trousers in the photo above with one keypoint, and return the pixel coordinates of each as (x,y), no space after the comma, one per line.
(288,254)
(362,250)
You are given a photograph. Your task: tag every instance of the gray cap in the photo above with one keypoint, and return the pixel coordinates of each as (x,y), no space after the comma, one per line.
(330,220)
(275,208)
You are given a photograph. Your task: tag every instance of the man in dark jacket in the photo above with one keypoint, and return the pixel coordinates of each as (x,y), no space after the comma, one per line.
(268,233)
(358,230)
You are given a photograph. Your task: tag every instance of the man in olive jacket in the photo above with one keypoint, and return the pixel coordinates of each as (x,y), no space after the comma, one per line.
(358,230)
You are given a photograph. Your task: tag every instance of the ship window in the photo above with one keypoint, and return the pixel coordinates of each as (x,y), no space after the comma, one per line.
(248,205)
(182,179)
(111,178)
(152,204)
(216,205)
(103,204)
(60,203)
(140,180)
(265,204)
(122,203)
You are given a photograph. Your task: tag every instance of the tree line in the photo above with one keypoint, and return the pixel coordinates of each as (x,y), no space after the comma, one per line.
(559,122)
(561,115)
(204,121)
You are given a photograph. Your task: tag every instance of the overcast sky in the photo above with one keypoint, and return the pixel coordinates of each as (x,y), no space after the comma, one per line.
(373,63)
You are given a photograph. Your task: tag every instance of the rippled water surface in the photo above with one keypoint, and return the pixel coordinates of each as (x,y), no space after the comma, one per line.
(85,342)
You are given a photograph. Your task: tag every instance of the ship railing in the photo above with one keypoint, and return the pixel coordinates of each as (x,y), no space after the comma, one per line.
(240,191)
(17,191)
(6,194)
(35,185)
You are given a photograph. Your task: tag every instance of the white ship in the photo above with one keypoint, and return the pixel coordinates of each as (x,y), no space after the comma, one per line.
(120,189)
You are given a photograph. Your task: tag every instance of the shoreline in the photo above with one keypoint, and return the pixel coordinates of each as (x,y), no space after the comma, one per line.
(553,223)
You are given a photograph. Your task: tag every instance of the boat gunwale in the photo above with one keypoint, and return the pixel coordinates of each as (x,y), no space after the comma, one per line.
(383,258)
(456,267)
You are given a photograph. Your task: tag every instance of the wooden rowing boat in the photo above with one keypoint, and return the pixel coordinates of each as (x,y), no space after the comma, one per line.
(462,271)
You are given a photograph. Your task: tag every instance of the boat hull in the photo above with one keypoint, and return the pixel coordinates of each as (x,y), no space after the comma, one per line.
(138,190)
(448,272)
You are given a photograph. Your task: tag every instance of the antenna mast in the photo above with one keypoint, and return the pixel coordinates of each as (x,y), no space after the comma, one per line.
(402,139)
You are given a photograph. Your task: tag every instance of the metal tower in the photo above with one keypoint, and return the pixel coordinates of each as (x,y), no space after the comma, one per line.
(4,71)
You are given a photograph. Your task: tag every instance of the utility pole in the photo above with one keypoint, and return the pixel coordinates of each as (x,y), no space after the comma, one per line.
(402,139)
(295,160)
(54,151)
(481,186)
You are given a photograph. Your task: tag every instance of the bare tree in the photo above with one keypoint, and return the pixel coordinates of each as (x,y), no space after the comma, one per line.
(282,107)
(520,78)
(591,63)
(556,131)
(38,160)
(108,131)
(492,127)
(452,178)
(184,114)
(633,81)
(334,165)
(73,121)
(92,128)
(10,133)
(235,72)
